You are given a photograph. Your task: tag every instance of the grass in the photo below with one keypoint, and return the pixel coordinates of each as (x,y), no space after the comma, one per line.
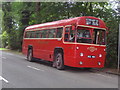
(12,51)
(3,49)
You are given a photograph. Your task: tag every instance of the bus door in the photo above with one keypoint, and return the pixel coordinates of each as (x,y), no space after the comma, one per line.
(69,45)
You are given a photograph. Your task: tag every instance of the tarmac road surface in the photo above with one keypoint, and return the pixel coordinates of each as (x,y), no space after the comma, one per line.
(20,73)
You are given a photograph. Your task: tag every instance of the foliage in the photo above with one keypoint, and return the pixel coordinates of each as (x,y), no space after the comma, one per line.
(4,37)
(18,15)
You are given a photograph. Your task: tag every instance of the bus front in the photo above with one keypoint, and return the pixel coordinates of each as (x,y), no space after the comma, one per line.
(90,43)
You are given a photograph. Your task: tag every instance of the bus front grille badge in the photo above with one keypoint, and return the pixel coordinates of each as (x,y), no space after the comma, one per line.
(92,49)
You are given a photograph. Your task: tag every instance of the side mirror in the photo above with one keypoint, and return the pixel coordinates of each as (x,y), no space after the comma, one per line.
(73,27)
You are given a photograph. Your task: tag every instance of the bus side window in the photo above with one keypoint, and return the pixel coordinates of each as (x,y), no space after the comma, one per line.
(44,33)
(38,34)
(66,36)
(69,35)
(26,34)
(72,35)
(59,32)
(47,33)
(32,34)
(51,33)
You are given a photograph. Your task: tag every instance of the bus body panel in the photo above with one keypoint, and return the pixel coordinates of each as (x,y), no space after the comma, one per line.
(69,54)
(72,55)
(42,48)
(92,55)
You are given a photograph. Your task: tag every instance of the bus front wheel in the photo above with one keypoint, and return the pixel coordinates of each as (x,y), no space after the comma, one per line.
(58,62)
(30,55)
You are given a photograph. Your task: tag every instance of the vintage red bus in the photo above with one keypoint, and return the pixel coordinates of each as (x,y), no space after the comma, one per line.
(75,42)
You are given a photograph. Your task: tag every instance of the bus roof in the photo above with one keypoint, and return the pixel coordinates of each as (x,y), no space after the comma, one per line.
(77,20)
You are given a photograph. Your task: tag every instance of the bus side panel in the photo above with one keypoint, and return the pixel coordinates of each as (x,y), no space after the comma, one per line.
(26,44)
(44,48)
(24,47)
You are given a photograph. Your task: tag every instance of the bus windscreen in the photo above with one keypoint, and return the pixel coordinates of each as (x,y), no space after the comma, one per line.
(99,36)
(84,36)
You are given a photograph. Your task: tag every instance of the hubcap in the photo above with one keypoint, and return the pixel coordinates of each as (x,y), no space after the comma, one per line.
(29,56)
(58,60)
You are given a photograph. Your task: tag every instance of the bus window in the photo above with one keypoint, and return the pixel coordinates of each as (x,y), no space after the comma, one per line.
(72,35)
(83,36)
(44,33)
(51,33)
(66,36)
(26,34)
(32,34)
(69,35)
(59,32)
(38,34)
(99,37)
(67,29)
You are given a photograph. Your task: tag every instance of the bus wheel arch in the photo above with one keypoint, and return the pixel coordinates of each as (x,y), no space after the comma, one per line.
(58,60)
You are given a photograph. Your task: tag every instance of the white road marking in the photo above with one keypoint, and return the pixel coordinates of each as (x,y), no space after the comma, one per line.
(9,54)
(1,78)
(104,75)
(3,57)
(35,68)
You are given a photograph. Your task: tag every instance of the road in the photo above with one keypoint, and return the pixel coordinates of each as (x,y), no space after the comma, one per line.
(20,73)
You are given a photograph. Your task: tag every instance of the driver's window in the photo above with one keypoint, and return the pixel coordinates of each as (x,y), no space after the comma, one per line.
(69,35)
(72,35)
(83,33)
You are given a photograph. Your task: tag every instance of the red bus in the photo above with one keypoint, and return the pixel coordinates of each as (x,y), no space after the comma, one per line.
(75,42)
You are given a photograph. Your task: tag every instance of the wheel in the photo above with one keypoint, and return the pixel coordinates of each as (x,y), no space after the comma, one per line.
(58,62)
(30,55)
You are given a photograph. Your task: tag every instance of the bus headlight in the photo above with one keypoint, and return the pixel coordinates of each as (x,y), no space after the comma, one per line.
(77,47)
(81,54)
(81,62)
(100,55)
(99,63)
(93,56)
(104,49)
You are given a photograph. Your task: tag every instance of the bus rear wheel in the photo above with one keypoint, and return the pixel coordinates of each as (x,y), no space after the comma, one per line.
(58,62)
(30,55)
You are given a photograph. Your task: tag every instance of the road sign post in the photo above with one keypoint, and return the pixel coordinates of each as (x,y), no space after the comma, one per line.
(118,8)
(119,50)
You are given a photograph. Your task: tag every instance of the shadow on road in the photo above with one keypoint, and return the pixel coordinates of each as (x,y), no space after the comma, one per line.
(67,68)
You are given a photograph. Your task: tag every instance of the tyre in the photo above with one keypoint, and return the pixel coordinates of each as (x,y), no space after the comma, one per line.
(58,62)
(30,55)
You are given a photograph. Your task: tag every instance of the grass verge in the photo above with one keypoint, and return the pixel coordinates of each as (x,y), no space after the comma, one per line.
(3,49)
